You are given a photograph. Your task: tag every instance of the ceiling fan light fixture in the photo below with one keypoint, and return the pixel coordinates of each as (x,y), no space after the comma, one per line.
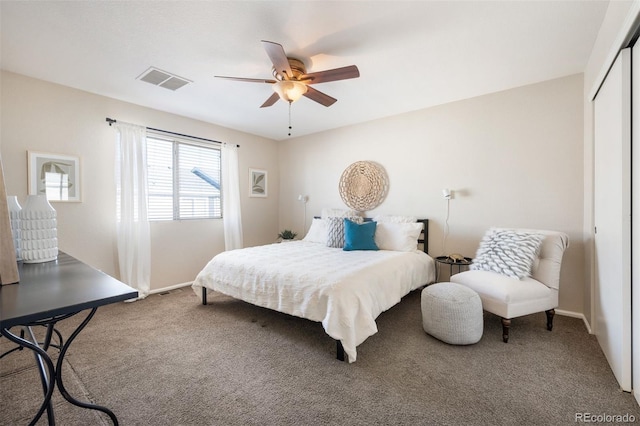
(289,90)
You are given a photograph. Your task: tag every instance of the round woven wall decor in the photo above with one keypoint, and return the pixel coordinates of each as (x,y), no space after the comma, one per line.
(363,185)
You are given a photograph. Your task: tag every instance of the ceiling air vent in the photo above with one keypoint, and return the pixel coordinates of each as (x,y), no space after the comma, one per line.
(163,79)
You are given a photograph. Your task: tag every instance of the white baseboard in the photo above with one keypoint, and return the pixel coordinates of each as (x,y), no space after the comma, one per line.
(575,315)
(169,288)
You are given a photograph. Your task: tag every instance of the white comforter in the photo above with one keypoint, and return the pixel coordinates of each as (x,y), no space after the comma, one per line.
(345,290)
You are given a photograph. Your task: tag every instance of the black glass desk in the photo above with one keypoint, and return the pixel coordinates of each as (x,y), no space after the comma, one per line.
(48,293)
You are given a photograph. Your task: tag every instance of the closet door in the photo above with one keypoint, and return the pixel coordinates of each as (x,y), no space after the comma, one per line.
(635,219)
(612,214)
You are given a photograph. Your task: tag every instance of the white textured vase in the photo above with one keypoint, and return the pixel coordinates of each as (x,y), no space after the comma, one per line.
(38,226)
(14,217)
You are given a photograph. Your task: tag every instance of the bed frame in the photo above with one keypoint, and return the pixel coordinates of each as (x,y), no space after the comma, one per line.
(423,239)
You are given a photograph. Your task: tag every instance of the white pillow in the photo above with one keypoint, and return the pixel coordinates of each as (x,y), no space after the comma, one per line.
(395,219)
(508,252)
(327,213)
(317,232)
(398,236)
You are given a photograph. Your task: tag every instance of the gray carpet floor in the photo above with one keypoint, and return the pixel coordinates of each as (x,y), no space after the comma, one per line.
(168,360)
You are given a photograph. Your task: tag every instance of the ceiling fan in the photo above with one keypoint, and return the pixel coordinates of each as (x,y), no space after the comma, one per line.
(291,80)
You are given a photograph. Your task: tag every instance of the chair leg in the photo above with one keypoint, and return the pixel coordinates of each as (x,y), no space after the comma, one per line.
(550,313)
(506,324)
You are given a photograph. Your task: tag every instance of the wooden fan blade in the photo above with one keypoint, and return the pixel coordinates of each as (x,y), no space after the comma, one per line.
(318,96)
(272,100)
(343,73)
(250,80)
(279,59)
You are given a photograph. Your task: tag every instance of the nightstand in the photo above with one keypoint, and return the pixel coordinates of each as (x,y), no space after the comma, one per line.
(446,260)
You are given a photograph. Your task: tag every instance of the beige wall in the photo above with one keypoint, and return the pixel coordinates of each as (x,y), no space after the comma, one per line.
(40,116)
(513,158)
(614,34)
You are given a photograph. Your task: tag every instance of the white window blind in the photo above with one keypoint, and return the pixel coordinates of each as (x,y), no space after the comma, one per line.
(183,179)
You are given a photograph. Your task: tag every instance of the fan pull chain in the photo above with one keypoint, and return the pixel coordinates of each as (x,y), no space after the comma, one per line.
(290,117)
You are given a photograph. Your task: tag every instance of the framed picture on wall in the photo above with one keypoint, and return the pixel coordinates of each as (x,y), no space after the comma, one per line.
(257,183)
(57,176)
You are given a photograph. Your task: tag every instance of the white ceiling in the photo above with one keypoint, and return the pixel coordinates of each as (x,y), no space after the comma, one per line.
(411,54)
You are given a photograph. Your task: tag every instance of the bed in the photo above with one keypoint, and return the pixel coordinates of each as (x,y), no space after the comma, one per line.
(345,290)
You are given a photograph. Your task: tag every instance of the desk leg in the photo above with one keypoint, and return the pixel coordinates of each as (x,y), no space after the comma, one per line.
(43,360)
(52,375)
(48,381)
(17,348)
(59,382)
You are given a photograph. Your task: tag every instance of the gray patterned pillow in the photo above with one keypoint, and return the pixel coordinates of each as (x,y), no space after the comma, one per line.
(508,252)
(335,230)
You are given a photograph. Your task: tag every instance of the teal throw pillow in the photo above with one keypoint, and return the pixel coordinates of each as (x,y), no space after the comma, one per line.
(359,236)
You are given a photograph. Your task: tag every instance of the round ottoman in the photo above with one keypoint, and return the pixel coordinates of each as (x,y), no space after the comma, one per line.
(452,313)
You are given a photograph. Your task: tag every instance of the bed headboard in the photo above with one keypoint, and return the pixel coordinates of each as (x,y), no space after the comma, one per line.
(423,238)
(425,235)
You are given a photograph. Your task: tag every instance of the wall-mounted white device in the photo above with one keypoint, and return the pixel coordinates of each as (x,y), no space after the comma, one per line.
(446,194)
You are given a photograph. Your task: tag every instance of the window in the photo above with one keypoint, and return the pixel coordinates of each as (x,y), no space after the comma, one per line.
(183,179)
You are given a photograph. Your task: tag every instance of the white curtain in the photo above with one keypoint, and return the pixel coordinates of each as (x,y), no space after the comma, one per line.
(134,247)
(231,213)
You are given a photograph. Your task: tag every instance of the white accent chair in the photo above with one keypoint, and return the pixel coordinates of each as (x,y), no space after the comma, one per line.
(510,298)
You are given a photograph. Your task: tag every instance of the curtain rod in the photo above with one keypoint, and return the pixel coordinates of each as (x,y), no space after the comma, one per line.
(111,121)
